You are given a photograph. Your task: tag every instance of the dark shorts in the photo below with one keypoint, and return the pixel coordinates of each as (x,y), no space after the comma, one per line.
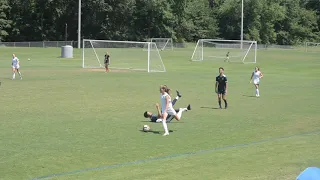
(221,91)
(106,63)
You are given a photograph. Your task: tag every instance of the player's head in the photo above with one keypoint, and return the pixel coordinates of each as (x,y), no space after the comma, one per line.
(147,114)
(221,70)
(257,68)
(13,55)
(164,88)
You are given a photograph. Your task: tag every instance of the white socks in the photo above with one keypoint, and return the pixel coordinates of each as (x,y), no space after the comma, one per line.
(14,75)
(165,127)
(257,92)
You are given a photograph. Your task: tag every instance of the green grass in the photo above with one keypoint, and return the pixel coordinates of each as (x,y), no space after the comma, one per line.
(62,118)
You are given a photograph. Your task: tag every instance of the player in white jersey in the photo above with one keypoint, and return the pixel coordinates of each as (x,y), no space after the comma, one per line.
(255,77)
(15,66)
(167,108)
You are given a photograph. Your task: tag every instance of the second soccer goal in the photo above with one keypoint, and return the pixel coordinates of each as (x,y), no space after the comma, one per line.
(225,50)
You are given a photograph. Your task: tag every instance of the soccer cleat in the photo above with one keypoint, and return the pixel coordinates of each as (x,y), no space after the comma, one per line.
(189,107)
(178,93)
(166,134)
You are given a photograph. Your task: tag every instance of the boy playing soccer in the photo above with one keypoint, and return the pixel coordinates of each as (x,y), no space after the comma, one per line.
(221,87)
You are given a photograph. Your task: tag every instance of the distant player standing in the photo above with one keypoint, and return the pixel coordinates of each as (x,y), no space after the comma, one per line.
(107,61)
(227,57)
(256,76)
(221,87)
(15,66)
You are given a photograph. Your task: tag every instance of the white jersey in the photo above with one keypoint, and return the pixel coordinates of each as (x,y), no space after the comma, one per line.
(15,62)
(164,102)
(256,77)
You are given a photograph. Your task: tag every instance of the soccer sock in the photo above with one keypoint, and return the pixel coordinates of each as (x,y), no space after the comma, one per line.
(225,103)
(257,92)
(14,76)
(19,73)
(175,100)
(219,103)
(179,114)
(165,127)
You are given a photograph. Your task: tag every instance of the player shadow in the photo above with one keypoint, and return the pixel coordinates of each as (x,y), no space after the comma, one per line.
(173,121)
(204,107)
(154,132)
(249,96)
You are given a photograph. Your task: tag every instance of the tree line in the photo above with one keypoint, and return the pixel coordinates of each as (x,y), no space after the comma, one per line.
(286,22)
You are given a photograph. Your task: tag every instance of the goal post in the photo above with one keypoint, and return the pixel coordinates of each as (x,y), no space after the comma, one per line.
(312,47)
(225,50)
(123,55)
(163,43)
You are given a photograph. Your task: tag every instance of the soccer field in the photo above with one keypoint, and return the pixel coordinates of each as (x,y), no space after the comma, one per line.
(64,122)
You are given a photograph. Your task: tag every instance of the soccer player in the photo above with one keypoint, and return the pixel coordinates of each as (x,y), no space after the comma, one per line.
(227,57)
(156,117)
(15,66)
(167,109)
(107,61)
(221,87)
(256,76)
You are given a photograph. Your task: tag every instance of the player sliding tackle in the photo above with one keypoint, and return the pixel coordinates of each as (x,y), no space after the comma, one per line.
(157,117)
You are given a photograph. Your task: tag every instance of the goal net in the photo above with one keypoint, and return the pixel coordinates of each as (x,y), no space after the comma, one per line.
(225,50)
(123,55)
(312,47)
(163,43)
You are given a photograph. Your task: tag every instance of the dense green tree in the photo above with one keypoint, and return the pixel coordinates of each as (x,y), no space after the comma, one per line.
(267,21)
(5,23)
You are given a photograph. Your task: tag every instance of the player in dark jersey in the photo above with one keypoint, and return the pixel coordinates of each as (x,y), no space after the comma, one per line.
(107,61)
(157,118)
(221,87)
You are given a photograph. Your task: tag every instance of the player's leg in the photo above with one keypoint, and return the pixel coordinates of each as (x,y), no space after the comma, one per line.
(13,73)
(257,89)
(219,99)
(106,66)
(164,124)
(18,70)
(224,97)
(177,97)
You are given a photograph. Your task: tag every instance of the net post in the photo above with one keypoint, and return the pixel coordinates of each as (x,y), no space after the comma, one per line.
(149,56)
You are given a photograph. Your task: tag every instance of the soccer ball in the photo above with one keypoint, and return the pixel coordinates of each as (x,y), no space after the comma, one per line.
(28,59)
(146,128)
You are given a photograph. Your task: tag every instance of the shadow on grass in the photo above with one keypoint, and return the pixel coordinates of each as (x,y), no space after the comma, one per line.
(204,107)
(154,132)
(249,96)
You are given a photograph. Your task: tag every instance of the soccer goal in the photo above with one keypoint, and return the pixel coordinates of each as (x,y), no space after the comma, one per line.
(163,43)
(225,50)
(312,47)
(123,55)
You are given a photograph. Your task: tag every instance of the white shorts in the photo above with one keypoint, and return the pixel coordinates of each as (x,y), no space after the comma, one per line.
(171,111)
(256,81)
(16,67)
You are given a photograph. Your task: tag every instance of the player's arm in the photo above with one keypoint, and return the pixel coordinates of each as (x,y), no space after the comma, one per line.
(226,84)
(158,110)
(216,85)
(261,75)
(251,77)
